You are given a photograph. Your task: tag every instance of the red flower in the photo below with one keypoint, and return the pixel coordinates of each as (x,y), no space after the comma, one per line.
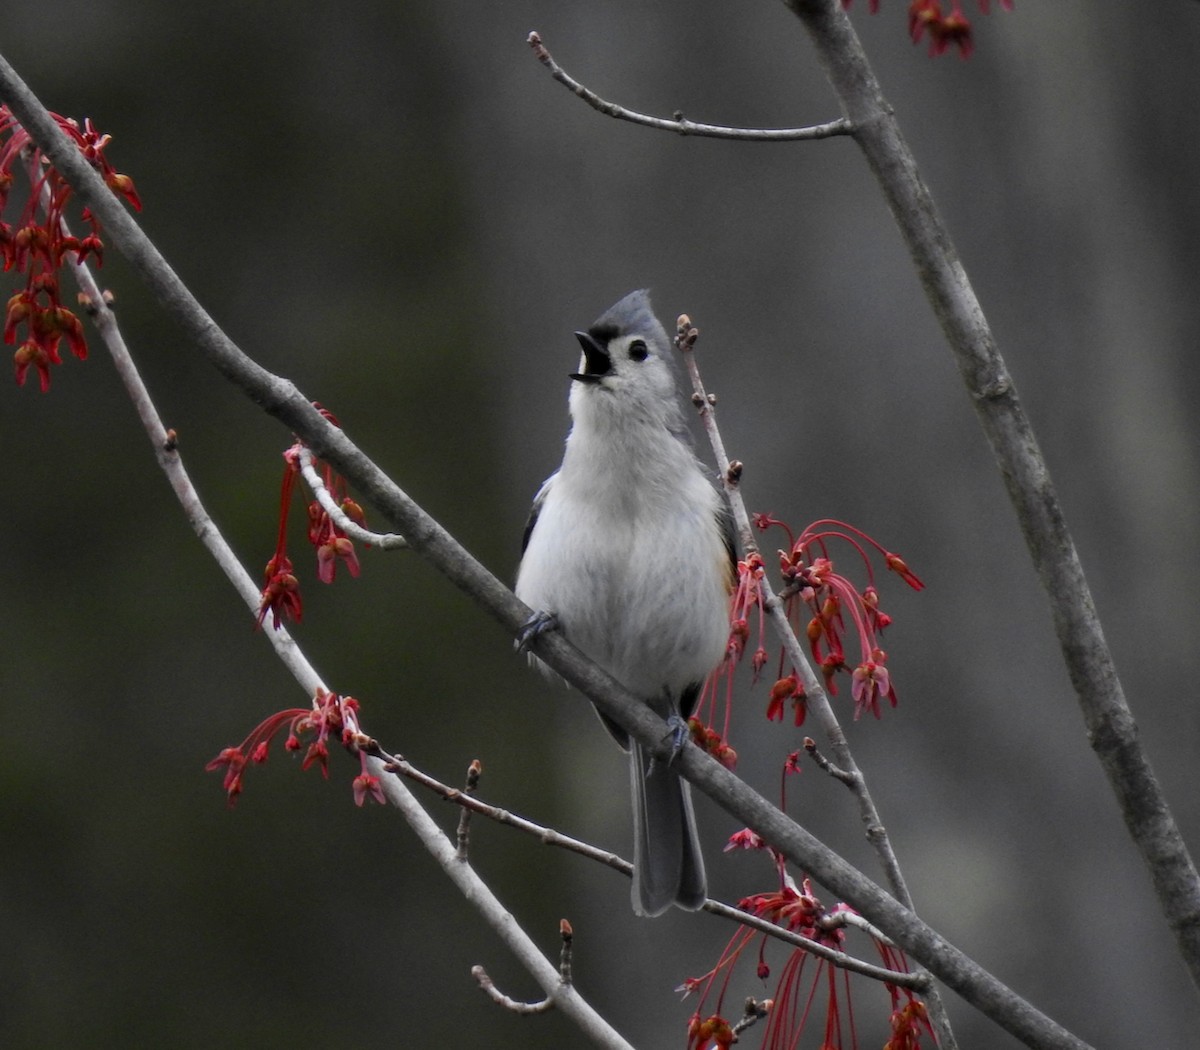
(945,29)
(786,689)
(805,985)
(281,593)
(328,553)
(712,1033)
(366,786)
(41,244)
(898,566)
(871,682)
(41,358)
(838,612)
(330,716)
(317,754)
(745,839)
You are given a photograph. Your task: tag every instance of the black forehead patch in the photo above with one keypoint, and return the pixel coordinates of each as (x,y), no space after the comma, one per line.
(603,333)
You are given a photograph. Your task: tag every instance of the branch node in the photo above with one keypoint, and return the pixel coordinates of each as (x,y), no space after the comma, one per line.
(997,386)
(845,776)
(474,772)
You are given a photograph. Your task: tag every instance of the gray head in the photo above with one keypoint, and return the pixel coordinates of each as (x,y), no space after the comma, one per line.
(626,370)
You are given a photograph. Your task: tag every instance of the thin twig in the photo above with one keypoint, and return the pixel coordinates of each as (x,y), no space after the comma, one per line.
(547,836)
(753,1011)
(679,123)
(463,837)
(515,1006)
(499,918)
(384,541)
(550,837)
(568,952)
(810,747)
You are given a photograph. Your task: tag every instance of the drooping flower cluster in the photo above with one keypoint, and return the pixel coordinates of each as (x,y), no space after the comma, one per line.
(281,588)
(825,608)
(331,717)
(796,999)
(37,243)
(812,584)
(945,27)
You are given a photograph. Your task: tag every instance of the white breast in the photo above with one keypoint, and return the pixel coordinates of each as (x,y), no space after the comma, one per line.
(634,566)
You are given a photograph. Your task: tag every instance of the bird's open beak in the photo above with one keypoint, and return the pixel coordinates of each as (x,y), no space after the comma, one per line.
(596,362)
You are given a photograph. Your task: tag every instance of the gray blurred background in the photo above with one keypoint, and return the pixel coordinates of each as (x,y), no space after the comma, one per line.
(395,206)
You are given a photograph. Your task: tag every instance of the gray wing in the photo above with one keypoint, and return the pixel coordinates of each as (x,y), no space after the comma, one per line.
(538,502)
(728,534)
(691,695)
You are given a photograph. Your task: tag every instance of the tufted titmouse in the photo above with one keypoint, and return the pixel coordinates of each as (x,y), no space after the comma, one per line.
(629,550)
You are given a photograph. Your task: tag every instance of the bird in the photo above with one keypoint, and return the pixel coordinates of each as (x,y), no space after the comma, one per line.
(629,551)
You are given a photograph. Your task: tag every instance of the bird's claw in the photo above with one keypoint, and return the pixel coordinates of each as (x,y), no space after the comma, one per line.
(538,624)
(680,732)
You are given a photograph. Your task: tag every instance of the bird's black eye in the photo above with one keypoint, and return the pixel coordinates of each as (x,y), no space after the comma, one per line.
(638,350)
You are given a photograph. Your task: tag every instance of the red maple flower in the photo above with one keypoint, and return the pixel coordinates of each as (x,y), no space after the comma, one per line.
(945,29)
(330,717)
(367,786)
(834,611)
(281,593)
(39,243)
(281,589)
(805,985)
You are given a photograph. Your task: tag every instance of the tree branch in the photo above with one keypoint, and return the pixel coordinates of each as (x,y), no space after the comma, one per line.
(551,837)
(1111,728)
(384,541)
(679,124)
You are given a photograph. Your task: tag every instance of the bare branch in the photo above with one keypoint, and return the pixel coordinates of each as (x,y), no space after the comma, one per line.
(753,1011)
(568,951)
(384,541)
(550,837)
(810,747)
(474,772)
(516,1006)
(475,890)
(680,124)
(1110,724)
(500,999)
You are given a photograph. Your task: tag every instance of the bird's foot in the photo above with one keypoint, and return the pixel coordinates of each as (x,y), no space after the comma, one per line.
(680,732)
(538,624)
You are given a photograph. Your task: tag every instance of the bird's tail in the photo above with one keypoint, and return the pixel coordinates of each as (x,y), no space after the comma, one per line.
(667,865)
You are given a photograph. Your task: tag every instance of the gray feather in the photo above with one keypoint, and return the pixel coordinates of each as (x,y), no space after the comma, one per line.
(668,867)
